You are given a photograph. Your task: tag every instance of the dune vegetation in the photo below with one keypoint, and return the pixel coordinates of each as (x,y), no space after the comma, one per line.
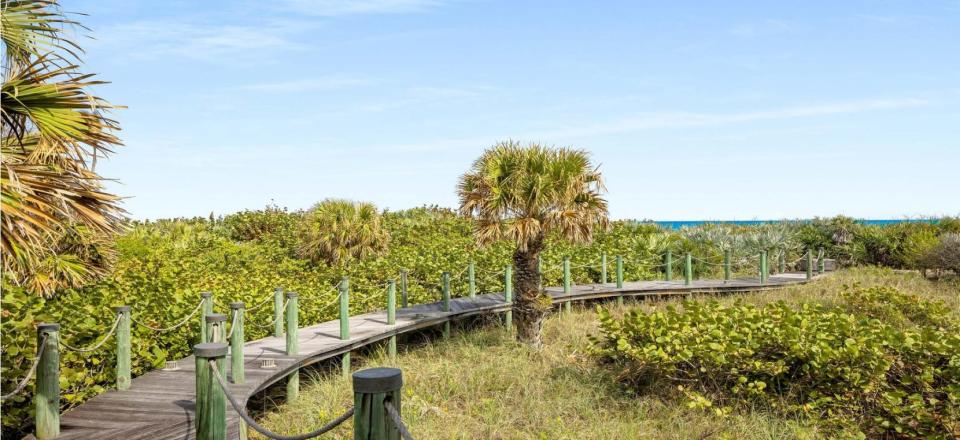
(483,384)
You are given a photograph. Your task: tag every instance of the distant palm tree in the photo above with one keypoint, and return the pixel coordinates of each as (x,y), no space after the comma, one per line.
(336,231)
(54,208)
(522,194)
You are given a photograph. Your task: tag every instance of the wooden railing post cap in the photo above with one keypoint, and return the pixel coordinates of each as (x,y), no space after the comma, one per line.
(238,305)
(292,295)
(121,309)
(48,327)
(377,380)
(210,350)
(206,295)
(216,317)
(278,289)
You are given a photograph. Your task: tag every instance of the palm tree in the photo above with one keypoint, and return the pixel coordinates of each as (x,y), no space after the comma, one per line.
(336,231)
(53,202)
(522,194)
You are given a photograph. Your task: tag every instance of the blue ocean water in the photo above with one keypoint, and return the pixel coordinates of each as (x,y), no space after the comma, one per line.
(677,224)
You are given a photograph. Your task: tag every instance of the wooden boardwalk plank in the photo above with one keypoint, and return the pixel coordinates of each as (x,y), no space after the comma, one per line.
(159,405)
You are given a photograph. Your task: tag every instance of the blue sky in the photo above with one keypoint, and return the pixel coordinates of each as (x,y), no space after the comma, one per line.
(694,110)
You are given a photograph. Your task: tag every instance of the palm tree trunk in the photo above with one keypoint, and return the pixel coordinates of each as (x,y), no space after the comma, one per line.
(530,305)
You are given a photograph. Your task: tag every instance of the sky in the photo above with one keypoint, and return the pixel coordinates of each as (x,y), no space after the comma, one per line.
(692,110)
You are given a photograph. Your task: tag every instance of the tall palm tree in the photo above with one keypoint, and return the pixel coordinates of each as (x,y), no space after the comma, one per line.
(336,231)
(53,202)
(522,194)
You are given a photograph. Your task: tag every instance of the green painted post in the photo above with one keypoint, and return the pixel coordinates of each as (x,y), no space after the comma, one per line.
(403,288)
(215,324)
(619,272)
(207,298)
(211,403)
(472,276)
(566,283)
(603,268)
(508,294)
(446,303)
(123,347)
(783,262)
(293,345)
(236,343)
(726,264)
(46,394)
(668,266)
(392,316)
(688,270)
(277,312)
(345,323)
(372,389)
(809,264)
(763,267)
(821,263)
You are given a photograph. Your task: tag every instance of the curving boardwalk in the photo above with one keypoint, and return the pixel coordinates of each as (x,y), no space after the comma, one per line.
(160,404)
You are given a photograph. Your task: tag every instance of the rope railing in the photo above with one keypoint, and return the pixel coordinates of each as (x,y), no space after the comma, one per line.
(242,411)
(173,327)
(274,320)
(113,329)
(33,369)
(397,421)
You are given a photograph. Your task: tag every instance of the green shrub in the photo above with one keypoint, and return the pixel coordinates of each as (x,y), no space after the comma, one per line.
(851,371)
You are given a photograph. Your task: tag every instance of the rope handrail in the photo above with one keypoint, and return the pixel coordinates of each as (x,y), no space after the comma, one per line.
(242,411)
(113,329)
(173,327)
(260,304)
(233,323)
(397,421)
(30,372)
(272,321)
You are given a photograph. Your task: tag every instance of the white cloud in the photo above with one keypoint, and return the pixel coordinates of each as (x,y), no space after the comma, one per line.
(328,82)
(763,27)
(671,119)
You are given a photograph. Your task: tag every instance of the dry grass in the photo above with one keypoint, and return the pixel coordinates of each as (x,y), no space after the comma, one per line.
(482,384)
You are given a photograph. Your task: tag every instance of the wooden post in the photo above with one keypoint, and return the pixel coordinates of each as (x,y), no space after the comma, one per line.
(215,324)
(446,303)
(619,272)
(211,403)
(566,283)
(371,389)
(471,275)
(207,298)
(46,394)
(726,264)
(688,270)
(763,267)
(783,261)
(277,312)
(668,266)
(345,323)
(508,294)
(403,288)
(809,264)
(293,345)
(236,343)
(392,316)
(603,268)
(821,264)
(123,347)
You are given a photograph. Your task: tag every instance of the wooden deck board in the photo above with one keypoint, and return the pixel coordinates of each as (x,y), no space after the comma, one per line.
(159,404)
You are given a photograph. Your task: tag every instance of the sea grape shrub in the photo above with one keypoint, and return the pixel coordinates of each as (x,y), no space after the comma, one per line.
(853,373)
(896,308)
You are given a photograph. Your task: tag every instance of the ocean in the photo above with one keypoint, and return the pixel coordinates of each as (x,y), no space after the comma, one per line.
(677,224)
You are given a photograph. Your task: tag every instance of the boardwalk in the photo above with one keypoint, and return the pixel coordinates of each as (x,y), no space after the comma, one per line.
(160,406)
